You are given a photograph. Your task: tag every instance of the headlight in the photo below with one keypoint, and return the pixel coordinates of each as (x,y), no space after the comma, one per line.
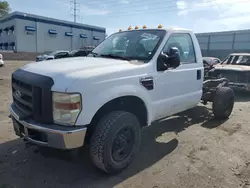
(66,108)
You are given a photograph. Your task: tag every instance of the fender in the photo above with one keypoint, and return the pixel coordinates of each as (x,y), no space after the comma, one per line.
(105,96)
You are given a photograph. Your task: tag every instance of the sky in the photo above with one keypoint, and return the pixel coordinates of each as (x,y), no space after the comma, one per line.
(197,15)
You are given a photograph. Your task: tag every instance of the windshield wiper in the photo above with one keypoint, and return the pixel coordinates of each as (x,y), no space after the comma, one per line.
(115,56)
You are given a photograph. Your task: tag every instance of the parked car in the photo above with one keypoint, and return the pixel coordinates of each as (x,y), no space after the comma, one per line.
(211,60)
(88,48)
(53,55)
(236,68)
(79,52)
(1,60)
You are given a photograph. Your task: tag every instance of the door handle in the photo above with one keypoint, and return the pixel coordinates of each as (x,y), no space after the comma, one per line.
(198,74)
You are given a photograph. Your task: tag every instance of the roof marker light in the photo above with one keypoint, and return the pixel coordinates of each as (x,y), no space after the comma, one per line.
(129,28)
(136,27)
(159,26)
(144,27)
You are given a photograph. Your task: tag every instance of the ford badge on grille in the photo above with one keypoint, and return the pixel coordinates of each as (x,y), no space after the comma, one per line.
(18,94)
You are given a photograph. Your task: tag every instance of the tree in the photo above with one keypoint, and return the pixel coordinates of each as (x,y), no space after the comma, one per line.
(4,8)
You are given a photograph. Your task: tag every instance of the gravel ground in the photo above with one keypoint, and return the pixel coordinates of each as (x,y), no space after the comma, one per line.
(188,150)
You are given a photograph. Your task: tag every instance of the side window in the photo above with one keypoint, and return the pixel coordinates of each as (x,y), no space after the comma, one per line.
(235,59)
(78,53)
(64,54)
(60,55)
(228,61)
(82,53)
(216,61)
(184,43)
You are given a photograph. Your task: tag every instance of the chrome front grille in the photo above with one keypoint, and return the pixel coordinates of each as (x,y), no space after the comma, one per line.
(22,96)
(32,95)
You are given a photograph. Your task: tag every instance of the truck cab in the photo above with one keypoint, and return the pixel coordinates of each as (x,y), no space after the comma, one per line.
(128,81)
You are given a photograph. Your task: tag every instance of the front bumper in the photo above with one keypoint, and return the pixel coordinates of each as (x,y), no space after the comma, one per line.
(53,135)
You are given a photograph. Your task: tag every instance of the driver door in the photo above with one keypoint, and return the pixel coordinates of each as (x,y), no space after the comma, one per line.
(178,89)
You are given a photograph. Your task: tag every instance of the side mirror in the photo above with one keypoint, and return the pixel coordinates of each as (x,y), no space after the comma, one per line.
(168,59)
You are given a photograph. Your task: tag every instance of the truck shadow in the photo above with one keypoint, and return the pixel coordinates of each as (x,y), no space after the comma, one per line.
(201,115)
(22,166)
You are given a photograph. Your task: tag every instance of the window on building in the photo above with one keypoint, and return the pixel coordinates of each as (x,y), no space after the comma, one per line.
(52,32)
(12,28)
(69,34)
(6,44)
(13,45)
(7,30)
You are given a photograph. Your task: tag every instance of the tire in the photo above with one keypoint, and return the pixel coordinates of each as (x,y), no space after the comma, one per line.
(105,141)
(223,103)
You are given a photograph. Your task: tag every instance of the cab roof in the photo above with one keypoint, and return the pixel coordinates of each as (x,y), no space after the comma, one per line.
(241,54)
(165,29)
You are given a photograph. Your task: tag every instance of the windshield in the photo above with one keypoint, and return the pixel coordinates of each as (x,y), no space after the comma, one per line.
(73,52)
(53,53)
(131,45)
(237,60)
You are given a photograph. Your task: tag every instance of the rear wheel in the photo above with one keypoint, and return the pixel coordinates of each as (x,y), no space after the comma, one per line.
(115,141)
(223,102)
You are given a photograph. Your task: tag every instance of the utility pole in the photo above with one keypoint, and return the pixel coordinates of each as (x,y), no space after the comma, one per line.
(75,9)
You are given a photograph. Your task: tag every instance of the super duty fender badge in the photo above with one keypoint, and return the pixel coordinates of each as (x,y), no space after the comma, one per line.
(147,82)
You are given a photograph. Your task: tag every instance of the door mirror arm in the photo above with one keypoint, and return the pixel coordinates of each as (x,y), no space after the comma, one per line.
(162,62)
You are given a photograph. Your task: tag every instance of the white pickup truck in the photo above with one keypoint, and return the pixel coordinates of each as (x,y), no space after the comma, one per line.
(130,80)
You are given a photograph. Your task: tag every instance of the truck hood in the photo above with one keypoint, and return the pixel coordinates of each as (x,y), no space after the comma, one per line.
(232,67)
(65,71)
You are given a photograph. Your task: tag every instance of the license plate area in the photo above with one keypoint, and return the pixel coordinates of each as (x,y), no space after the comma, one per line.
(33,134)
(37,135)
(18,128)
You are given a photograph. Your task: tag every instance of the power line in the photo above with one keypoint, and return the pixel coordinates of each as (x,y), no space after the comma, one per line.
(139,3)
(129,2)
(74,8)
(171,8)
(162,8)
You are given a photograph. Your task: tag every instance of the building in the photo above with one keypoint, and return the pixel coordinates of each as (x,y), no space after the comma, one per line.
(23,32)
(221,44)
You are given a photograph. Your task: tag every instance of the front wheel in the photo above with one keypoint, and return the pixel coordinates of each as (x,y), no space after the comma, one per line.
(115,141)
(223,102)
